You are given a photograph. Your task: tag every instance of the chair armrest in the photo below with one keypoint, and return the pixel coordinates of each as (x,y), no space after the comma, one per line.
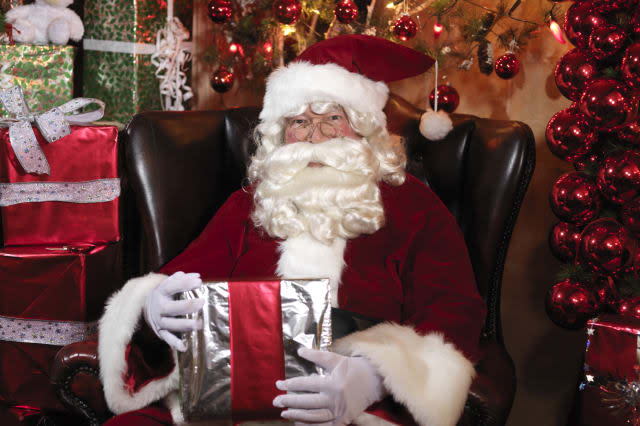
(492,391)
(76,378)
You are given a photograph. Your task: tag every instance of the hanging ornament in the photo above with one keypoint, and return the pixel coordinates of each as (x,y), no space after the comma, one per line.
(287,11)
(629,307)
(574,198)
(608,6)
(563,240)
(628,133)
(569,135)
(579,22)
(573,72)
(606,247)
(619,176)
(630,65)
(485,57)
(220,11)
(346,11)
(630,216)
(606,293)
(608,102)
(222,80)
(634,25)
(405,27)
(606,40)
(507,66)
(448,98)
(570,304)
(589,161)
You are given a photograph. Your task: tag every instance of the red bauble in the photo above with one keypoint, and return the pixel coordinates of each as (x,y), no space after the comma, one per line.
(634,25)
(579,22)
(606,293)
(630,216)
(448,98)
(222,80)
(573,72)
(287,11)
(630,65)
(630,307)
(219,11)
(588,161)
(405,28)
(563,240)
(569,135)
(574,198)
(606,40)
(608,6)
(507,66)
(608,102)
(606,247)
(628,133)
(619,176)
(346,11)
(570,304)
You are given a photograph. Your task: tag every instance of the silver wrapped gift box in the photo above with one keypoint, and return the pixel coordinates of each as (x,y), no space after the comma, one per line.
(250,337)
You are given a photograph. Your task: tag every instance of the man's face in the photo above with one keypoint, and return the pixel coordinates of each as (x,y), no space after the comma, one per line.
(318,128)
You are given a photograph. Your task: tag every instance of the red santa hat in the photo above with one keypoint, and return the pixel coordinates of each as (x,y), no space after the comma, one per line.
(351,70)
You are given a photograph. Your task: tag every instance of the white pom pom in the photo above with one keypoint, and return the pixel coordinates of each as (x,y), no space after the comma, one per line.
(435,125)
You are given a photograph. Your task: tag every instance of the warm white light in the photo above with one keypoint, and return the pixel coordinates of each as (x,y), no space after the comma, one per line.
(437,29)
(556,31)
(288,29)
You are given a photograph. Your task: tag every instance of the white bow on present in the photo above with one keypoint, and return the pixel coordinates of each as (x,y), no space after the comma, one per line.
(53,124)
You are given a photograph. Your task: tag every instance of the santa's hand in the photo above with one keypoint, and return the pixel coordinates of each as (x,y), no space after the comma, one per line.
(351,385)
(161,311)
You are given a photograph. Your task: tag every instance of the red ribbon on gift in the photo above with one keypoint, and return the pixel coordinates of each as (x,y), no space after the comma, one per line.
(255,327)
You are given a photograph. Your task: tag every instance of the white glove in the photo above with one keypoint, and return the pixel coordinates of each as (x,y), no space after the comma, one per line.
(161,310)
(351,386)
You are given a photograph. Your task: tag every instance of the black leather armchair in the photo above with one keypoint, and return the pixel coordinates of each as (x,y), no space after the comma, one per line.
(181,166)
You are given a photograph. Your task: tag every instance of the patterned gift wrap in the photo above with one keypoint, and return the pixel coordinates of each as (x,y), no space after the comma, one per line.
(610,390)
(45,73)
(120,36)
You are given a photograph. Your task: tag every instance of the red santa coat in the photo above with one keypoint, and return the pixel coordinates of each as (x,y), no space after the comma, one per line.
(414,272)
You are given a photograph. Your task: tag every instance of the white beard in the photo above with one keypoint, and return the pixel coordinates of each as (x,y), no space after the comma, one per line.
(339,199)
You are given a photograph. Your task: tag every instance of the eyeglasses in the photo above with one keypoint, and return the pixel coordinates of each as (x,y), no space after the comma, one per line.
(303,128)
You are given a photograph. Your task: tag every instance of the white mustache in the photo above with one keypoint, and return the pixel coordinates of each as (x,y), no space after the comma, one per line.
(343,154)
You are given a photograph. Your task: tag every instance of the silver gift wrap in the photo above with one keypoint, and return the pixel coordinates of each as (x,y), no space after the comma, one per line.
(205,367)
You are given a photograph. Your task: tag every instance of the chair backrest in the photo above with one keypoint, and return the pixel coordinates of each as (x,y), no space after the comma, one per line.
(181,166)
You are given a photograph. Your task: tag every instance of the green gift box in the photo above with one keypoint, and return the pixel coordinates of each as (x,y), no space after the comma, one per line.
(45,73)
(120,36)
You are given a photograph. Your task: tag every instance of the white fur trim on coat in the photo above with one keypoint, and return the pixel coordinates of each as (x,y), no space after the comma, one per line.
(301,83)
(305,257)
(425,373)
(117,326)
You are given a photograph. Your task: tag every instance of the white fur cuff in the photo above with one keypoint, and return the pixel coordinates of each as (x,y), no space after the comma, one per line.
(117,326)
(425,373)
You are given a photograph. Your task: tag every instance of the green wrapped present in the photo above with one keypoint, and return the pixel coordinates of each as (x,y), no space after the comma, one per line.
(45,73)
(120,36)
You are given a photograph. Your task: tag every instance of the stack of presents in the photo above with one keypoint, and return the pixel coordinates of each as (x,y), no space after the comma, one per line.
(61,252)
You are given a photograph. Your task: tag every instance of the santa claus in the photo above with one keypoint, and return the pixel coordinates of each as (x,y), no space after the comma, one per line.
(328,196)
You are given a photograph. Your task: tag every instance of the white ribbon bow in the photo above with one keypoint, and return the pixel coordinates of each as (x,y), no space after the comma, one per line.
(54,124)
(170,58)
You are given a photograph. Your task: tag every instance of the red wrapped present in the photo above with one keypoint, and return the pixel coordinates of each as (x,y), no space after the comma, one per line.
(49,297)
(610,390)
(77,202)
(250,337)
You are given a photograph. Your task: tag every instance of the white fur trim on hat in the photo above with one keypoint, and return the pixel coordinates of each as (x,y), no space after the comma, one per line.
(425,373)
(117,325)
(301,83)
